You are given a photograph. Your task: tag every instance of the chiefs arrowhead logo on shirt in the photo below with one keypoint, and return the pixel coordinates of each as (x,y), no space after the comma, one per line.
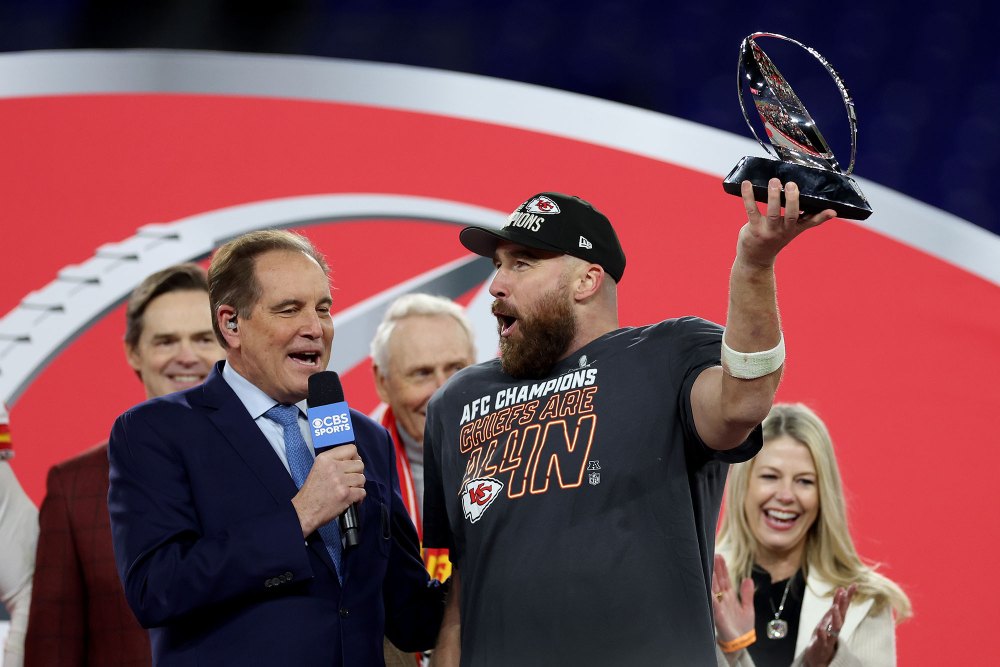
(478,495)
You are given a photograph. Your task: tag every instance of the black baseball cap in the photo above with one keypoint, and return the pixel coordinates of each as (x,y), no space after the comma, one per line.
(559,223)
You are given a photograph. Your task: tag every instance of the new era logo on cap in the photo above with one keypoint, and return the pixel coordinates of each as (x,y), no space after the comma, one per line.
(542,204)
(584,243)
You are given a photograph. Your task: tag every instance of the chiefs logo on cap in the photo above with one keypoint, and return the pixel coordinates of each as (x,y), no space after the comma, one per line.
(542,205)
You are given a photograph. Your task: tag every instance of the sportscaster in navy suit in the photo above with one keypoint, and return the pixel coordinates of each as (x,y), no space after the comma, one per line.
(224,521)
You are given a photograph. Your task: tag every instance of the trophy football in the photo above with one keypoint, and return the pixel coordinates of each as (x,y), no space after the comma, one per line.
(803,156)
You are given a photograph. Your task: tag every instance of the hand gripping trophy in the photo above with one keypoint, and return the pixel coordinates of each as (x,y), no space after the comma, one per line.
(803,154)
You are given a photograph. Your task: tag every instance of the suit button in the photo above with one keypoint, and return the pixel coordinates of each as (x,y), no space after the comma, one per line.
(345,612)
(269,583)
(287,576)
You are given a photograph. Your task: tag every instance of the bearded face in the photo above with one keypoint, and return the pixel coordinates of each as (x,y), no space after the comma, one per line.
(543,335)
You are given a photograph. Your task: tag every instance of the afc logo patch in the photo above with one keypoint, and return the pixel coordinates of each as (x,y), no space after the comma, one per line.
(478,495)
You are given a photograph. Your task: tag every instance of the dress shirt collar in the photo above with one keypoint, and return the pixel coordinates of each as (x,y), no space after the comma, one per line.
(254,400)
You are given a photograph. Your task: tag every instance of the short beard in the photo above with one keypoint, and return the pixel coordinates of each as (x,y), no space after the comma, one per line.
(543,338)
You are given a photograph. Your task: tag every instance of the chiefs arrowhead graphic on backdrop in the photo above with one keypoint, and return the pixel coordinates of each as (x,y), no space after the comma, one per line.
(479,495)
(106,179)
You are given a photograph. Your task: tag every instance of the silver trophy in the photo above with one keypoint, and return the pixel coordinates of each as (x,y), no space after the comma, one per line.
(803,156)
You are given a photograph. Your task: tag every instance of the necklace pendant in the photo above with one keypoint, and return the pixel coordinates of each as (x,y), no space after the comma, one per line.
(777,629)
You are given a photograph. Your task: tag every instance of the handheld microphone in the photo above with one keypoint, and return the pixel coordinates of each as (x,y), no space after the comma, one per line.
(330,426)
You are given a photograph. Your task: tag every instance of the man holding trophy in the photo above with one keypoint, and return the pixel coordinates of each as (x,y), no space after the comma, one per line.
(552,563)
(577,479)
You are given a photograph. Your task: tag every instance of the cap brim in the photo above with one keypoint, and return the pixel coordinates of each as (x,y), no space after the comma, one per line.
(480,240)
(484,241)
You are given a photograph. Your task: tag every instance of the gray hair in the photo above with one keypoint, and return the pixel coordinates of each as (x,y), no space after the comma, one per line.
(410,305)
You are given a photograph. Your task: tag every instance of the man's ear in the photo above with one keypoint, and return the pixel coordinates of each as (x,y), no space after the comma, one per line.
(225,316)
(133,358)
(381,384)
(589,282)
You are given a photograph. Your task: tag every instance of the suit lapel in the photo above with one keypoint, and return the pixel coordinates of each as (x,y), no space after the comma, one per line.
(228,414)
(231,418)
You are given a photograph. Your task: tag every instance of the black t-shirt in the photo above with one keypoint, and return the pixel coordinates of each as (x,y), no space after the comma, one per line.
(581,508)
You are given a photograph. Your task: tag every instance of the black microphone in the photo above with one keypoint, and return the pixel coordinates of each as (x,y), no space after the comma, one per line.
(330,426)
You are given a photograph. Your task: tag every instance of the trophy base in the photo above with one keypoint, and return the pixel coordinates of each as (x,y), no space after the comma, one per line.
(819,189)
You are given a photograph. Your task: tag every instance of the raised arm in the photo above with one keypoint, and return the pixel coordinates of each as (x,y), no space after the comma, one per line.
(729,401)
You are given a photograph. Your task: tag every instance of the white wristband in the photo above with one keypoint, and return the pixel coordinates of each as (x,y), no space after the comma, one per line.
(752,365)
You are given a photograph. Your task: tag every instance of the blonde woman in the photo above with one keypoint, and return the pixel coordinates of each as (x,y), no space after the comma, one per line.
(805,597)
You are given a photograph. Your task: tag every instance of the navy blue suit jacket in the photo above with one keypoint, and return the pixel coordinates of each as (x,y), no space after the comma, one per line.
(211,554)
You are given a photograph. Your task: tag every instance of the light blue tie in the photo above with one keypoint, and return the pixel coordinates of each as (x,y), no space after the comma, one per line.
(300,460)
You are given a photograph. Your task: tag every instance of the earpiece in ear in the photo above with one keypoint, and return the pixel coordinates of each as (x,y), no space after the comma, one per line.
(231,324)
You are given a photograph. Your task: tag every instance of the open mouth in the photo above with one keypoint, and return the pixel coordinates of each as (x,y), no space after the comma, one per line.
(781,518)
(505,324)
(505,321)
(305,358)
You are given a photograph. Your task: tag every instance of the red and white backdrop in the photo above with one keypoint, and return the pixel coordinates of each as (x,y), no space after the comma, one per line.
(116,164)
